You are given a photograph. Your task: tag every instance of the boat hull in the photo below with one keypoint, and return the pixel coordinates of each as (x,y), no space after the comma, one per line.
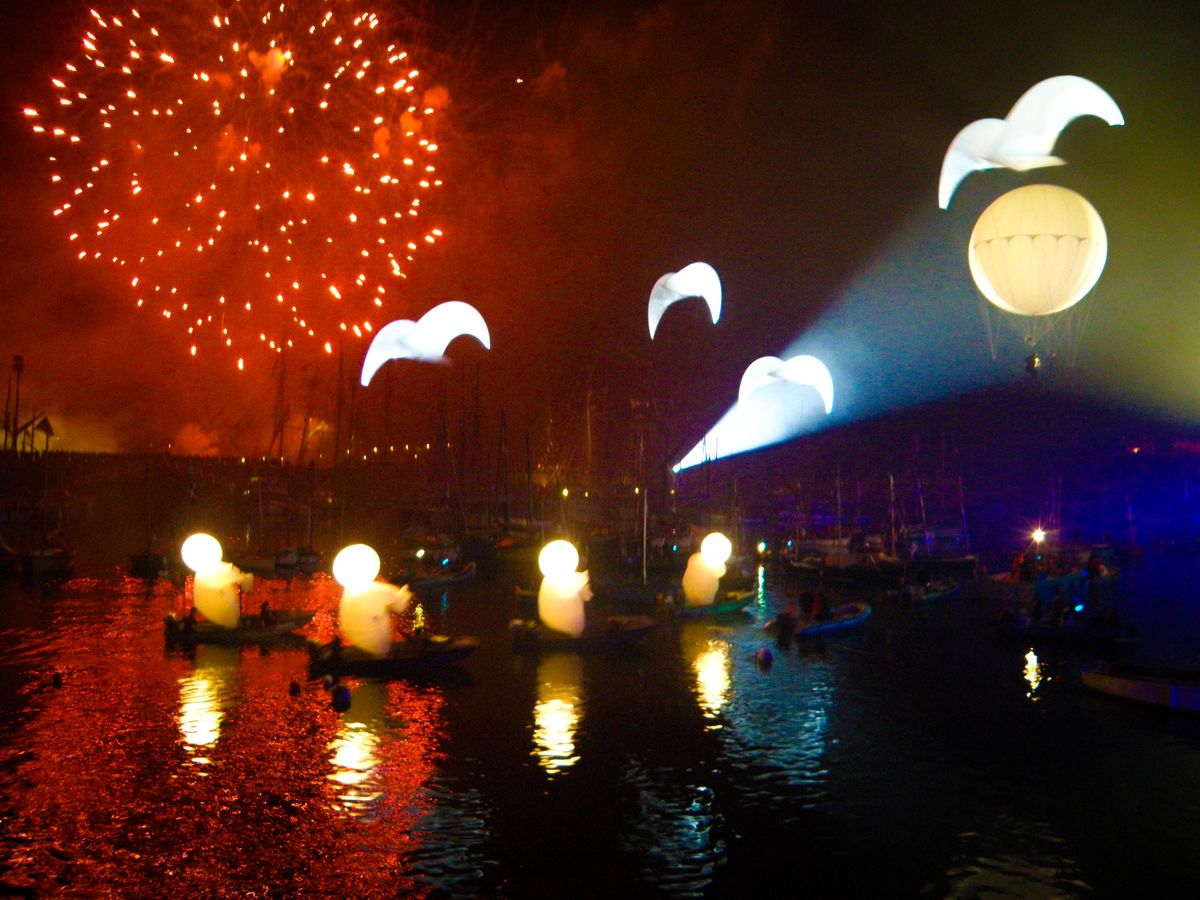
(1156,687)
(282,625)
(734,602)
(410,658)
(530,636)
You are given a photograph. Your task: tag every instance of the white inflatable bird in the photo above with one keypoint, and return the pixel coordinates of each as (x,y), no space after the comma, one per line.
(695,280)
(1025,138)
(798,370)
(426,339)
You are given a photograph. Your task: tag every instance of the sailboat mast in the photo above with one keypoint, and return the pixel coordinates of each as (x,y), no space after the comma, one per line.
(892,512)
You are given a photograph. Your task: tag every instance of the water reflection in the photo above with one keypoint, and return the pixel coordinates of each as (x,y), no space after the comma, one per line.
(203,697)
(777,725)
(676,829)
(712,677)
(557,712)
(355,750)
(1033,675)
(1015,857)
(708,655)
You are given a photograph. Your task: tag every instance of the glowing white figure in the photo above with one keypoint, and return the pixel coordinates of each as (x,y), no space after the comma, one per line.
(705,570)
(563,590)
(1037,250)
(426,339)
(364,613)
(807,370)
(695,280)
(217,585)
(1025,138)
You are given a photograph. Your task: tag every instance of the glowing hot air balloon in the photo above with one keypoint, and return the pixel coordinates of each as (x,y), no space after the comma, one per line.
(1035,253)
(426,339)
(364,613)
(563,590)
(695,280)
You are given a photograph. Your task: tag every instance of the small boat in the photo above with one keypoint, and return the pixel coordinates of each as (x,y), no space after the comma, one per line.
(445,575)
(292,561)
(1160,686)
(48,561)
(1098,630)
(252,630)
(839,619)
(149,565)
(1025,592)
(942,589)
(410,657)
(531,636)
(732,602)
(10,559)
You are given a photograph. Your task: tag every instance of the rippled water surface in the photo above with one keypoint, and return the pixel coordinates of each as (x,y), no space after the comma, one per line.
(914,756)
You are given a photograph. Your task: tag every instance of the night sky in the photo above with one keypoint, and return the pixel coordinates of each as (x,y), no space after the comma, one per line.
(592,148)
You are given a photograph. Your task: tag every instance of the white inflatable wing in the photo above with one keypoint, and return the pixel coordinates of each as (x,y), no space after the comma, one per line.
(967,153)
(1042,112)
(695,280)
(426,339)
(446,321)
(758,374)
(1025,138)
(802,370)
(811,371)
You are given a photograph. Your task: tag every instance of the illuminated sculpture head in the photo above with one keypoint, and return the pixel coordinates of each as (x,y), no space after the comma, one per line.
(1037,250)
(558,559)
(356,566)
(426,339)
(695,280)
(201,553)
(1025,138)
(716,549)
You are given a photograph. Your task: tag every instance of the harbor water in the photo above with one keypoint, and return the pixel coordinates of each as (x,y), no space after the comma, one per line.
(917,755)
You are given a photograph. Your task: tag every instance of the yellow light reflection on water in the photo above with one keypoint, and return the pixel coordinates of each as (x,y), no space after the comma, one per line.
(355,759)
(203,697)
(1033,674)
(200,712)
(712,678)
(355,751)
(557,713)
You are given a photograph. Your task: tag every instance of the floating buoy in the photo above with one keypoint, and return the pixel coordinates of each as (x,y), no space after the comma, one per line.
(340,697)
(763,658)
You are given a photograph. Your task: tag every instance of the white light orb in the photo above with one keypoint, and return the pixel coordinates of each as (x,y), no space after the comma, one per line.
(716,549)
(201,553)
(558,559)
(355,566)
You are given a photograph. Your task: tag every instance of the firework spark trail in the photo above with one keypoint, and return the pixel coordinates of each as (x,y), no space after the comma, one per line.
(261,172)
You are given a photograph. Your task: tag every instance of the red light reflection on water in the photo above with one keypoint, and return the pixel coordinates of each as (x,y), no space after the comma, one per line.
(152,770)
